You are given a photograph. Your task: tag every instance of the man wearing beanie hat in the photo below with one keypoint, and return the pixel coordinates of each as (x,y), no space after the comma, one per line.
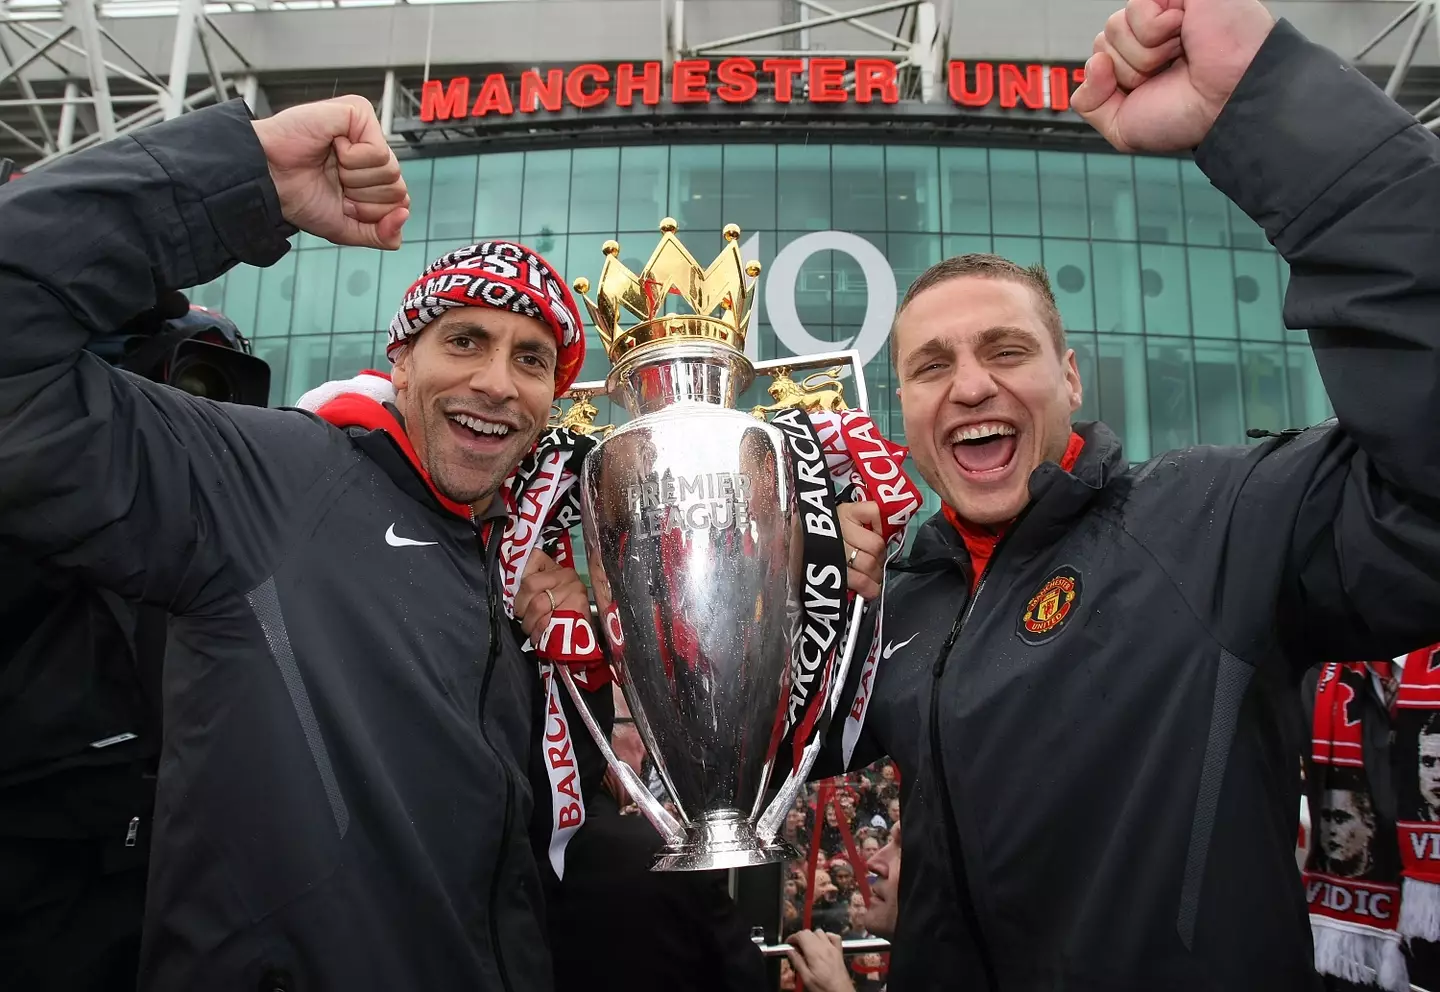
(343,796)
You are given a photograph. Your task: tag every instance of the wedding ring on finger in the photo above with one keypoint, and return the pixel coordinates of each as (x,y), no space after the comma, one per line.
(551,596)
(854,553)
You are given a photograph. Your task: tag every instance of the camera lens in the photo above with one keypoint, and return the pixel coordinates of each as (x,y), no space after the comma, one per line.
(201,379)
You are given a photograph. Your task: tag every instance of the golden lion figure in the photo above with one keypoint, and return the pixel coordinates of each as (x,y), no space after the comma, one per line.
(580,418)
(820,392)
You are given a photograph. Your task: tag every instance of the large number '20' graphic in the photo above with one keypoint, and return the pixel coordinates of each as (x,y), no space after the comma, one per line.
(782,275)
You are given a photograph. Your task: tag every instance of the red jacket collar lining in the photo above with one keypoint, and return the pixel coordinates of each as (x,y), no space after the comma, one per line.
(352,410)
(979,540)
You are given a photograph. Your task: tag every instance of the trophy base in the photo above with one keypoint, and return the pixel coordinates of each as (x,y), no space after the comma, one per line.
(723,840)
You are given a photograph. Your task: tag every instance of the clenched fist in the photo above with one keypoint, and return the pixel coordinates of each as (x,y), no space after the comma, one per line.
(1163,70)
(336,175)
(545,589)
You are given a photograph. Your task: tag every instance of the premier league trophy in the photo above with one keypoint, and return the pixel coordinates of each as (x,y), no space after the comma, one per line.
(693,521)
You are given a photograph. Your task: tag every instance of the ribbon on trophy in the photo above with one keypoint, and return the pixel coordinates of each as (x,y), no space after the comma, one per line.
(842,453)
(866,465)
(541,497)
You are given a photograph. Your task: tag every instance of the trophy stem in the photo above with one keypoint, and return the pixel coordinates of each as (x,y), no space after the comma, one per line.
(723,839)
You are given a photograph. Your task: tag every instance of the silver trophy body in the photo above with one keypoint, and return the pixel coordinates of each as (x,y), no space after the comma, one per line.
(691,530)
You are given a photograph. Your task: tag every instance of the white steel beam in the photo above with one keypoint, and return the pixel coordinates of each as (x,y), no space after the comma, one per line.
(84,17)
(854,16)
(186,24)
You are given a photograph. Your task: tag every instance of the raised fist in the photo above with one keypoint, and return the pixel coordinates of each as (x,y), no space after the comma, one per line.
(336,175)
(1163,70)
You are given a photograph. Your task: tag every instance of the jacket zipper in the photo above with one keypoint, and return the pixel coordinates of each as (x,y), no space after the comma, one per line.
(952,829)
(493,660)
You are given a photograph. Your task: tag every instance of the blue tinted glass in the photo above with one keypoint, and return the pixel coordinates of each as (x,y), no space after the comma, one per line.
(594,190)
(1207,213)
(1021,251)
(1014,192)
(1087,357)
(644,188)
(965,189)
(1072,281)
(314,310)
(803,183)
(452,200)
(308,366)
(1169,369)
(1123,392)
(349,354)
(499,184)
(1217,390)
(417,174)
(277,297)
(545,207)
(1212,293)
(1163,277)
(357,289)
(275,352)
(696,188)
(398,270)
(912,254)
(1309,403)
(912,189)
(1062,195)
(1117,287)
(858,196)
(242,298)
(1111,187)
(966,244)
(750,187)
(1161,217)
(1257,296)
(1263,384)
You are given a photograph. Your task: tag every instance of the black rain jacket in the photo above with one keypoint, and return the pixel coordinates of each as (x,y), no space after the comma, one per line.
(1101,793)
(343,797)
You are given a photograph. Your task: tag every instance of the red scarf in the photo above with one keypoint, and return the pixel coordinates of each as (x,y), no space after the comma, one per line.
(980,540)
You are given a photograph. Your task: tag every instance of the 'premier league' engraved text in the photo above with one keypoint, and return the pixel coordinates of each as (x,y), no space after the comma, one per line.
(712,501)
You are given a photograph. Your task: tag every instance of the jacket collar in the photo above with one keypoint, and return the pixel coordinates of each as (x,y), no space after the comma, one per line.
(1057,498)
(382,436)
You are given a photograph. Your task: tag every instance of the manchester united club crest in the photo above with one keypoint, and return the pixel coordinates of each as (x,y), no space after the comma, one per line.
(1051,608)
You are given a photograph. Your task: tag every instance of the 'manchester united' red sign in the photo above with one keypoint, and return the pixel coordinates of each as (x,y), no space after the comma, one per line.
(737,80)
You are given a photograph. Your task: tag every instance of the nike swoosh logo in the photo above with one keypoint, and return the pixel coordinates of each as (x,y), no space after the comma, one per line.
(405,542)
(892,647)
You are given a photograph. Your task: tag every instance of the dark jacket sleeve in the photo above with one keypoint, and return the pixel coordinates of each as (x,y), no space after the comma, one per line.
(155,494)
(1346,185)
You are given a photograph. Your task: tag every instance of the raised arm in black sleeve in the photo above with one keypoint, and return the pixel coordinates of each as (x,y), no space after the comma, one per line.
(151,492)
(1347,186)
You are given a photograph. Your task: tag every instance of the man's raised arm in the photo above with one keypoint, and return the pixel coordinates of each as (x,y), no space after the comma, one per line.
(143,488)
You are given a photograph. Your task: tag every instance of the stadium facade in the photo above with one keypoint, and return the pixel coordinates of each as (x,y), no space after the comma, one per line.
(854,143)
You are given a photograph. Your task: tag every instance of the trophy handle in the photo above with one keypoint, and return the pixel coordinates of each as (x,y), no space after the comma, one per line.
(771,820)
(660,818)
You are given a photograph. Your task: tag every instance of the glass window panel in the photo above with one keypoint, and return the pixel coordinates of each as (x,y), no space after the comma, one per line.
(750,187)
(851,291)
(499,185)
(242,297)
(1207,214)
(314,310)
(1021,251)
(1169,369)
(644,186)
(357,289)
(1263,386)
(1162,285)
(814,290)
(912,188)
(308,367)
(545,204)
(274,353)
(1068,263)
(1117,280)
(1309,404)
(965,188)
(594,189)
(1110,181)
(349,354)
(803,187)
(1123,393)
(1063,212)
(857,175)
(1244,232)
(1087,355)
(1014,192)
(1161,216)
(398,269)
(211,295)
(452,199)
(966,244)
(417,173)
(1212,293)
(910,255)
(277,296)
(1257,296)
(379,341)
(1217,389)
(586,258)
(696,186)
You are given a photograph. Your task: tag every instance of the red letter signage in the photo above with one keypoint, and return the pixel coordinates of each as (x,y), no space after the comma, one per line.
(442,104)
(576,92)
(737,80)
(785,71)
(876,75)
(690,81)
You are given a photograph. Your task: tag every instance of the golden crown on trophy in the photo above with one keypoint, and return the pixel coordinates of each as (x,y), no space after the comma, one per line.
(720,298)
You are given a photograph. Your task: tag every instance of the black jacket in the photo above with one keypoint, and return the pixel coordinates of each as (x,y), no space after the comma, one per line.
(1110,802)
(343,798)
(615,924)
